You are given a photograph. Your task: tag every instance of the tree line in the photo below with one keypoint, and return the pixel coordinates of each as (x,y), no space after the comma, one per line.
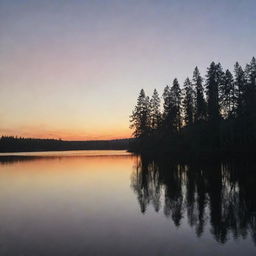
(216,113)
(16,144)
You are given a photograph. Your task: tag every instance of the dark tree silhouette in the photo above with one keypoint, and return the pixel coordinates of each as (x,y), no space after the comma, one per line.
(228,96)
(140,118)
(213,83)
(167,125)
(240,86)
(155,113)
(176,104)
(188,103)
(200,104)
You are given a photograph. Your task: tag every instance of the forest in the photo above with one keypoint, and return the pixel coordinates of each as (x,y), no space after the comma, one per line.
(15,144)
(215,114)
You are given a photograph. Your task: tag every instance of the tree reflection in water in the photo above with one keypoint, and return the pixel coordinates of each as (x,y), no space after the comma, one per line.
(219,194)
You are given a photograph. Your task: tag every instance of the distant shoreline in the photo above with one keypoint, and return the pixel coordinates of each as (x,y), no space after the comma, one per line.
(22,145)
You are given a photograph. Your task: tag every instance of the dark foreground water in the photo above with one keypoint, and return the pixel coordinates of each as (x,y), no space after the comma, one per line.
(113,203)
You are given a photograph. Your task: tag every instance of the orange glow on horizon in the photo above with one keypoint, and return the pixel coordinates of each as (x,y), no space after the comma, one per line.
(67,134)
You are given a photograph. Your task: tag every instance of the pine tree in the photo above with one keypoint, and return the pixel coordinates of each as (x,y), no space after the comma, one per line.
(200,104)
(250,88)
(251,72)
(227,95)
(188,103)
(250,103)
(240,89)
(213,83)
(140,120)
(172,108)
(166,108)
(166,98)
(155,114)
(175,93)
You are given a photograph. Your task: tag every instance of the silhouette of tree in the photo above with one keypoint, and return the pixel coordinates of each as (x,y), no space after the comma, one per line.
(213,82)
(176,104)
(188,103)
(240,86)
(167,109)
(228,96)
(140,119)
(200,104)
(250,102)
(155,113)
(172,108)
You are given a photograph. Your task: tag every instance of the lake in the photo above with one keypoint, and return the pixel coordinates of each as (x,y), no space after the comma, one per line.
(115,203)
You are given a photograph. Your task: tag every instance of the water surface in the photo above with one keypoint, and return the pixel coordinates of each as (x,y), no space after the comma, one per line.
(114,203)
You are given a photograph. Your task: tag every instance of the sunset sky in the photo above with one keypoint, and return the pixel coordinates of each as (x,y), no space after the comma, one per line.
(72,69)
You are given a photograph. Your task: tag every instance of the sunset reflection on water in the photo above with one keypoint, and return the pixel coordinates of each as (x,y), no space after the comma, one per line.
(88,203)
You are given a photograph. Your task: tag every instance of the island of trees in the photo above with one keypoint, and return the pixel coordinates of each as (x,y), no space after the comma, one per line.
(215,114)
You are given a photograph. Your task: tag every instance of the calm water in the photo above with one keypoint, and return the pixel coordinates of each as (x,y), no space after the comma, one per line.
(113,203)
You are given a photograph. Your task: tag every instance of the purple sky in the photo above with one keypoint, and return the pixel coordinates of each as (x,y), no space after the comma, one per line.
(73,69)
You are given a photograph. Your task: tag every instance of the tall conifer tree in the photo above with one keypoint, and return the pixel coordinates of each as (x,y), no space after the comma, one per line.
(155,114)
(188,103)
(227,95)
(213,83)
(140,120)
(200,104)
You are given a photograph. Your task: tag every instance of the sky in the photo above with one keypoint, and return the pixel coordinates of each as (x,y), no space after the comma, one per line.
(72,69)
